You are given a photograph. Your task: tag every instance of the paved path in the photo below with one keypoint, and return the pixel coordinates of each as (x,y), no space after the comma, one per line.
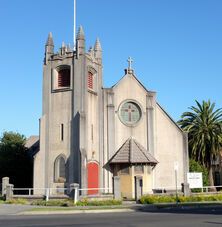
(10,209)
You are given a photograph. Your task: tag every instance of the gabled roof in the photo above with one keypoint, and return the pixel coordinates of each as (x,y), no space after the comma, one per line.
(131,73)
(132,152)
(32,143)
(174,122)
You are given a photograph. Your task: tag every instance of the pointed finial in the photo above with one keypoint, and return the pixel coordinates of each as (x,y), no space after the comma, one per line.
(97,46)
(49,41)
(80,34)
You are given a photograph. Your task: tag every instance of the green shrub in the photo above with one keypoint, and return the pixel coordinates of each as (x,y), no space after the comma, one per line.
(86,202)
(17,201)
(151,199)
(64,203)
(83,202)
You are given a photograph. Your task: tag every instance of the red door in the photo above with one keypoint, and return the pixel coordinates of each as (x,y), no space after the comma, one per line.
(93,177)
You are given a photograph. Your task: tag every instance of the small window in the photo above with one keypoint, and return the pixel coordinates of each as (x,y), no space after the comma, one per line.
(90,80)
(138,169)
(124,169)
(62,132)
(64,78)
(59,169)
(92,132)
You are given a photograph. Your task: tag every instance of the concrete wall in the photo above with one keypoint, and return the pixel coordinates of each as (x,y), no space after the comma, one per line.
(39,160)
(129,89)
(80,112)
(169,149)
(156,131)
(94,123)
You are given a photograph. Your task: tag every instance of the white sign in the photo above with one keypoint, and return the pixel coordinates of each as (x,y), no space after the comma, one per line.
(195,180)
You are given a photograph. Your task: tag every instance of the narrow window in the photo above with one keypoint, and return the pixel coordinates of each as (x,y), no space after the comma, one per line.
(62,132)
(62,168)
(64,78)
(90,80)
(92,132)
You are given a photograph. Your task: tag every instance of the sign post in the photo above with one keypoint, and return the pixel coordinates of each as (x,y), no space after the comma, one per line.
(176,166)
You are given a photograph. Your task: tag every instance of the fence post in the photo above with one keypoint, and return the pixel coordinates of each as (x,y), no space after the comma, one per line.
(116,187)
(9,191)
(74,192)
(47,194)
(5,182)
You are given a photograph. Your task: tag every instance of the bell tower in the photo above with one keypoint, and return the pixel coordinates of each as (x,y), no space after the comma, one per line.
(70,126)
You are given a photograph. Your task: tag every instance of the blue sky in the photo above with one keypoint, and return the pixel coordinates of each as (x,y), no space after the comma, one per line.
(176,46)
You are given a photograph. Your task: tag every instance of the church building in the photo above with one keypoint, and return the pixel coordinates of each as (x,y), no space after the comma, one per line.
(90,134)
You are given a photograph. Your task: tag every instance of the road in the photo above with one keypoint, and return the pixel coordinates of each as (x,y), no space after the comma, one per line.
(167,218)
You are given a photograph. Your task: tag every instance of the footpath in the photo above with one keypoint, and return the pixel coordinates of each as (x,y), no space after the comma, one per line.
(210,207)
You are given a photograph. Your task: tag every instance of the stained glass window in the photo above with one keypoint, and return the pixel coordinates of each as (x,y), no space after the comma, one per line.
(130,113)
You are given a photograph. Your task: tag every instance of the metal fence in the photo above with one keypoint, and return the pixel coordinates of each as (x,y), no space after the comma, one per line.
(61,193)
(173,190)
(100,193)
(207,189)
(40,191)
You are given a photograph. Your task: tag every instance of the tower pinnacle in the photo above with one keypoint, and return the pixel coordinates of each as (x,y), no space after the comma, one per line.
(98,50)
(49,41)
(80,35)
(97,46)
(49,48)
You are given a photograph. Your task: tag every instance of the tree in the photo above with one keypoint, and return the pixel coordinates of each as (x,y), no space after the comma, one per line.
(204,127)
(15,162)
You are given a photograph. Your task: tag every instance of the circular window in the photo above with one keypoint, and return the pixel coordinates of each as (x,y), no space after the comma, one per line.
(130,113)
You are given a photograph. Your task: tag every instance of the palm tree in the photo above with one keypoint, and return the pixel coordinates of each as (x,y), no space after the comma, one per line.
(204,127)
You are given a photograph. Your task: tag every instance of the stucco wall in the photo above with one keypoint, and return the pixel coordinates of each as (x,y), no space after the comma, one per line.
(39,161)
(169,149)
(129,89)
(60,113)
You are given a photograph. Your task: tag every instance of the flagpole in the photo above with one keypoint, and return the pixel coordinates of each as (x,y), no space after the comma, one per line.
(74,25)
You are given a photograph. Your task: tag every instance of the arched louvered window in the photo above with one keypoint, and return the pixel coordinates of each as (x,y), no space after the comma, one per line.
(90,80)
(60,169)
(64,77)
